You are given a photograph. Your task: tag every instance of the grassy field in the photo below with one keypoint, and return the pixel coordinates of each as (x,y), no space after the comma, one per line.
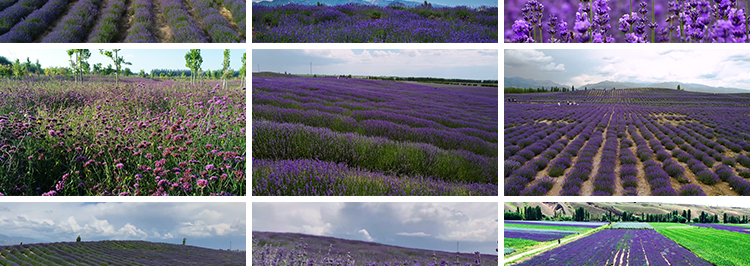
(716,246)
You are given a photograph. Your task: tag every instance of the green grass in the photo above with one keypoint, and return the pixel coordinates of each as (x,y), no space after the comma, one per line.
(716,246)
(548,227)
(518,243)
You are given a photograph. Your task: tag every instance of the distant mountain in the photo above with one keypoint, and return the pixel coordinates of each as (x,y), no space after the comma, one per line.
(339,2)
(692,87)
(519,82)
(613,84)
(697,87)
(13,240)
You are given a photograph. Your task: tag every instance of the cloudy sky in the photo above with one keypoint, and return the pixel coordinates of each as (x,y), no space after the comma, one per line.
(717,68)
(146,59)
(443,2)
(467,64)
(433,226)
(210,225)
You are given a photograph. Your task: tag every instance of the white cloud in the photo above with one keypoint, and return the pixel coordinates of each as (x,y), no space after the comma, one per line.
(420,234)
(533,58)
(366,235)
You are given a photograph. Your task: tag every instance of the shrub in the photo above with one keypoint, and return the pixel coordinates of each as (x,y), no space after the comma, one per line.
(723,172)
(707,177)
(534,190)
(691,190)
(630,191)
(729,161)
(674,170)
(546,182)
(662,155)
(744,160)
(510,166)
(78,239)
(745,173)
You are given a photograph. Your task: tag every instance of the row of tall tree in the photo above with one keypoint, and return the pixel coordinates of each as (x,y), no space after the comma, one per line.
(79,66)
(580,214)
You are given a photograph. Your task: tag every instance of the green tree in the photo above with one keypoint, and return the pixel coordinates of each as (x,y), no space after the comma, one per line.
(243,70)
(678,86)
(98,69)
(117,60)
(78,239)
(19,69)
(184,240)
(142,73)
(226,71)
(193,61)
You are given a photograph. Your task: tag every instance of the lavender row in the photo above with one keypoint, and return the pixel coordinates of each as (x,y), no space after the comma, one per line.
(36,23)
(605,178)
(109,18)
(13,14)
(559,223)
(6,3)
(320,178)
(731,228)
(181,24)
(141,30)
(379,128)
(445,107)
(536,235)
(645,247)
(76,23)
(213,23)
(238,10)
(292,141)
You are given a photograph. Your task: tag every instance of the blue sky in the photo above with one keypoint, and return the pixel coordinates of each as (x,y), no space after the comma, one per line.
(712,67)
(209,225)
(467,64)
(433,226)
(146,59)
(472,3)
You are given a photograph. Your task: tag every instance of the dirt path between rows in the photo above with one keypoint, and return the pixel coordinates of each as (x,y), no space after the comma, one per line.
(162,31)
(587,188)
(126,20)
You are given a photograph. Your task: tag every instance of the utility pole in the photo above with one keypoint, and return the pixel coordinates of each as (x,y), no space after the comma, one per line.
(258,68)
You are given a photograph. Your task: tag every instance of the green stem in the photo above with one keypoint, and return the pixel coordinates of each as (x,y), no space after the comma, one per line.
(747,38)
(653,20)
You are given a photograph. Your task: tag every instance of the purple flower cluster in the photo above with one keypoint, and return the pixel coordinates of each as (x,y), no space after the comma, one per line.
(106,29)
(213,23)
(674,141)
(385,129)
(310,177)
(34,25)
(271,248)
(13,14)
(76,24)
(141,30)
(183,27)
(642,246)
(112,143)
(116,252)
(364,23)
(237,8)
(535,234)
(637,21)
(726,227)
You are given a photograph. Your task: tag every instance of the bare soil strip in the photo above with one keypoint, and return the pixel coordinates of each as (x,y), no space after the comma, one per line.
(162,32)
(126,20)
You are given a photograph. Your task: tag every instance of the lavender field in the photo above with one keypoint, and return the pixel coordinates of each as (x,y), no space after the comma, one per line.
(627,142)
(330,136)
(618,247)
(602,21)
(142,138)
(294,249)
(116,253)
(138,21)
(353,23)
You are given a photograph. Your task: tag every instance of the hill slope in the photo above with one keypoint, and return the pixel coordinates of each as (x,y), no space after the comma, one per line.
(116,253)
(360,251)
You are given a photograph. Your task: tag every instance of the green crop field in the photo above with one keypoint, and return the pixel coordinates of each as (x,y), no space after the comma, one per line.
(716,246)
(517,243)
